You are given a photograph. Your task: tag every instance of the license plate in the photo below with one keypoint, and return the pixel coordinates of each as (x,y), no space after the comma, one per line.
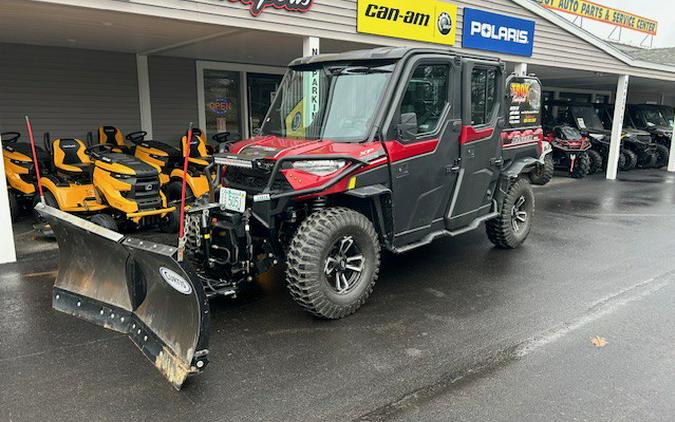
(233,199)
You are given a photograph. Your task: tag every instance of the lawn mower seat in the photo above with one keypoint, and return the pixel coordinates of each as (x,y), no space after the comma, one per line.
(110,135)
(70,156)
(198,149)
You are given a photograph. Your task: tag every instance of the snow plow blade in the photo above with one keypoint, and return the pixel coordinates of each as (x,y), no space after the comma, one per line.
(134,287)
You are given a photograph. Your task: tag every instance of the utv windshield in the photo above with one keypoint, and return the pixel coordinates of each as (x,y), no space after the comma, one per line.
(336,102)
(648,117)
(587,118)
(668,114)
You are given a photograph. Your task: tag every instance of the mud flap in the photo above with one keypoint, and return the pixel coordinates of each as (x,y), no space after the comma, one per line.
(134,287)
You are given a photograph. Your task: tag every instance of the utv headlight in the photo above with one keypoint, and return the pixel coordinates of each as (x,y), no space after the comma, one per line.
(319,167)
(120,176)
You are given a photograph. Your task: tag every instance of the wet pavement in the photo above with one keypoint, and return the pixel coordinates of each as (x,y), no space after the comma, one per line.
(454,331)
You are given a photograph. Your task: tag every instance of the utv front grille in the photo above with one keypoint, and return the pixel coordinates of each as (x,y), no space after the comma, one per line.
(254,181)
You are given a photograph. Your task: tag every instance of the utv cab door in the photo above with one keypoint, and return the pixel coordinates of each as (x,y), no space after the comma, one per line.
(480,156)
(424,126)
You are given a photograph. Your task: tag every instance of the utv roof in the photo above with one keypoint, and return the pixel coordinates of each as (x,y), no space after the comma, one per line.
(381,53)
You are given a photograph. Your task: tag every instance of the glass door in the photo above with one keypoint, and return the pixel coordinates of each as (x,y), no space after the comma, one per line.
(222,98)
(261,91)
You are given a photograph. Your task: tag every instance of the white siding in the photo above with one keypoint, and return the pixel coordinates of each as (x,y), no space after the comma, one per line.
(173,94)
(67,92)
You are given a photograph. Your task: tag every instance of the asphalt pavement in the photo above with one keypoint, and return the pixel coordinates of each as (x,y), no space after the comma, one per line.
(454,331)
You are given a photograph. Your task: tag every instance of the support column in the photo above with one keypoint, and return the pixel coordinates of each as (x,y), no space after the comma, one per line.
(617,127)
(144,93)
(311,46)
(671,161)
(7,252)
(521,69)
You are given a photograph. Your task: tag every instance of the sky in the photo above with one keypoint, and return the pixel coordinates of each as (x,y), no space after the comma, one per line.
(661,10)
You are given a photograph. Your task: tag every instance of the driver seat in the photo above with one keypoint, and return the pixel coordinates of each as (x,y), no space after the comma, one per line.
(110,135)
(199,154)
(70,156)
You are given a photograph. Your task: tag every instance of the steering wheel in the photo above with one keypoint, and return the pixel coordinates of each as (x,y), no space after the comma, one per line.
(221,137)
(10,137)
(97,150)
(137,137)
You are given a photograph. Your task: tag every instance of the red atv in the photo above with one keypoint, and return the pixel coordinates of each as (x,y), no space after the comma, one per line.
(386,149)
(570,154)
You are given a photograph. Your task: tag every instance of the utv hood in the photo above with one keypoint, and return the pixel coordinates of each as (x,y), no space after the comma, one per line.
(273,147)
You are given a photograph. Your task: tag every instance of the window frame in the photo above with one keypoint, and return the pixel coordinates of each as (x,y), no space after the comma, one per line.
(467,71)
(450,105)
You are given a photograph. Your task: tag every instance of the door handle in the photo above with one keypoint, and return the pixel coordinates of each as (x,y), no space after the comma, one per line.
(497,162)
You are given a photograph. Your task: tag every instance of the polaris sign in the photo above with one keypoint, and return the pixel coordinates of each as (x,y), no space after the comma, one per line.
(494,32)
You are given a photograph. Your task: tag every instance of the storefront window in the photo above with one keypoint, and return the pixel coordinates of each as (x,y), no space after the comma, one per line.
(261,91)
(222,96)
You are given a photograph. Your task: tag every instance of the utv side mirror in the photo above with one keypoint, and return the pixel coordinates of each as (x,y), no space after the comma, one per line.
(407,127)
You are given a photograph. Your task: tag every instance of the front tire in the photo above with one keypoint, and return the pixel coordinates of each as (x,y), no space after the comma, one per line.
(14,206)
(662,156)
(333,262)
(597,162)
(106,221)
(543,173)
(510,229)
(50,201)
(173,192)
(171,222)
(631,160)
(582,167)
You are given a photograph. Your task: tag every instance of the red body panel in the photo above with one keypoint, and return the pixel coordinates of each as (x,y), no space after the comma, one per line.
(471,134)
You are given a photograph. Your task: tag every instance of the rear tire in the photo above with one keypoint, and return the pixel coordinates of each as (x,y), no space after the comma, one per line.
(631,160)
(662,156)
(596,161)
(333,262)
(543,173)
(173,191)
(106,221)
(582,167)
(510,229)
(14,206)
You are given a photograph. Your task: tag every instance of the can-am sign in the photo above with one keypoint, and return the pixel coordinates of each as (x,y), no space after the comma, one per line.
(258,6)
(495,32)
(428,20)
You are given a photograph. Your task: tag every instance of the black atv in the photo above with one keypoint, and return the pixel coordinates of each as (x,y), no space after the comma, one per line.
(642,149)
(654,120)
(585,119)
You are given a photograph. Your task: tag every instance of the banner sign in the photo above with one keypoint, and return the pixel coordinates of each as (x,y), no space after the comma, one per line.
(427,21)
(257,6)
(495,32)
(525,102)
(600,13)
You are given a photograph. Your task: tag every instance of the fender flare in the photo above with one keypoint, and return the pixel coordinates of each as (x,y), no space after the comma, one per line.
(374,195)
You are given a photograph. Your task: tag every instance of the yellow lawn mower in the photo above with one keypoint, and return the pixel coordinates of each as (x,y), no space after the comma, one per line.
(169,162)
(20,171)
(111,188)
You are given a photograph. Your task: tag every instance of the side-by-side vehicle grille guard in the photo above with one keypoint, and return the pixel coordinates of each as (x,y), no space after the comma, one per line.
(356,164)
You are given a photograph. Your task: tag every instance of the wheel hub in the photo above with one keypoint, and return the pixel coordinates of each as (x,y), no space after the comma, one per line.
(344,265)
(519,214)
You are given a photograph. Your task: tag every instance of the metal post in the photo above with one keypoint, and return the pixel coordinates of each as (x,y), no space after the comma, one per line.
(144,93)
(7,252)
(671,160)
(617,127)
(521,69)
